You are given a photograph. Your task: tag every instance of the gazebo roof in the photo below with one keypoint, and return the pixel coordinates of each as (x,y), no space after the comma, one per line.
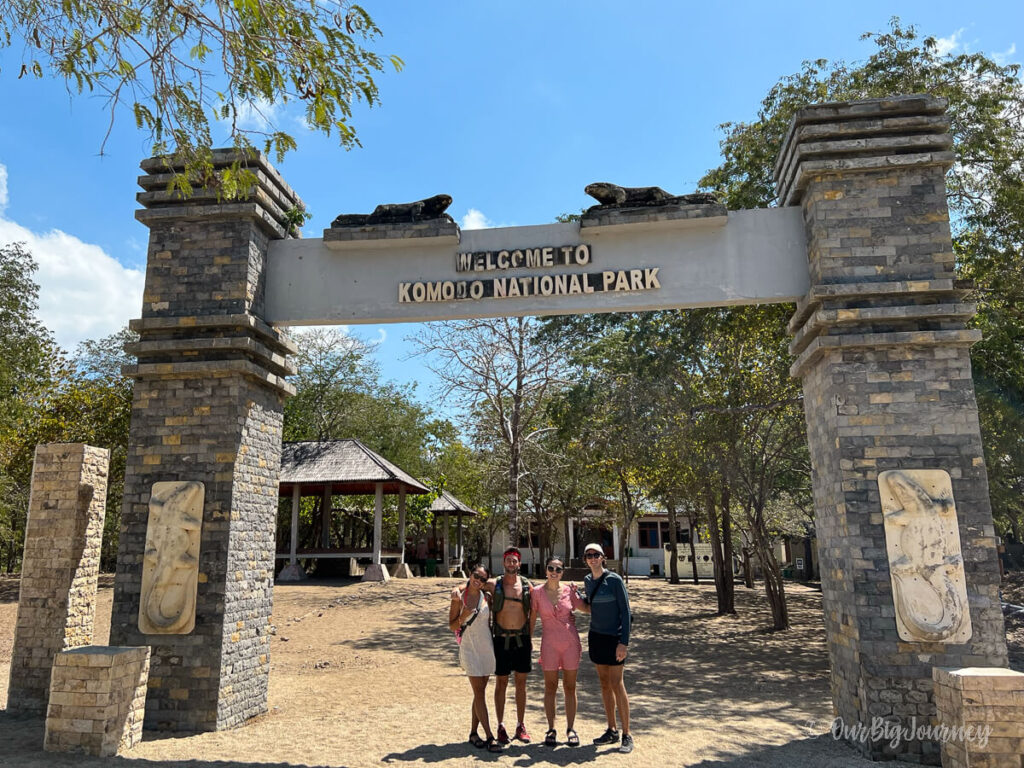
(348,466)
(448,503)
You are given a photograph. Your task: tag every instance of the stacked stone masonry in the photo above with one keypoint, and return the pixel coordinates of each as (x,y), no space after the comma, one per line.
(882,347)
(97,700)
(981,714)
(63,534)
(208,404)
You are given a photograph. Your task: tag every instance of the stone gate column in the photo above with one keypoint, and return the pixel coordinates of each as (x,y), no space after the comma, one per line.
(883,350)
(207,408)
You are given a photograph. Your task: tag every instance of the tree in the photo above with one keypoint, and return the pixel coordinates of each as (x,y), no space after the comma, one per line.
(500,374)
(986,199)
(27,357)
(179,64)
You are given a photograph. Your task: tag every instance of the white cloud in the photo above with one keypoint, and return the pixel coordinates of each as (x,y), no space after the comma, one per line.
(475,219)
(84,293)
(1002,59)
(945,45)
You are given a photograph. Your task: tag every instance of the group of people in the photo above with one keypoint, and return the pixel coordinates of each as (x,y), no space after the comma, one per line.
(494,622)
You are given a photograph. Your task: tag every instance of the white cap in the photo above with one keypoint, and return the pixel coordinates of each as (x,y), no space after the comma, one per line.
(594,548)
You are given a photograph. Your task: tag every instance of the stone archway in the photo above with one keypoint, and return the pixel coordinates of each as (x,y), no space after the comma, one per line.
(861,242)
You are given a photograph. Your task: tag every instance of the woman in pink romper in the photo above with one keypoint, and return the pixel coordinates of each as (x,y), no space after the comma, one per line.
(560,647)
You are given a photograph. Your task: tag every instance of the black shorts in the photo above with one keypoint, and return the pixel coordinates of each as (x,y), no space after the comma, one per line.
(515,658)
(602,649)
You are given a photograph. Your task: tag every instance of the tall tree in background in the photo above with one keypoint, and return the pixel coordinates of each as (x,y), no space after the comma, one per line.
(27,356)
(175,65)
(500,374)
(986,200)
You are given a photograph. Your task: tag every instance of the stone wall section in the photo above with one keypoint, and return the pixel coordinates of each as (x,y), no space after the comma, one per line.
(63,534)
(97,700)
(883,350)
(208,405)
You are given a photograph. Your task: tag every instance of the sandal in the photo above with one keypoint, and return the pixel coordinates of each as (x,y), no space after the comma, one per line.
(494,746)
(572,738)
(476,741)
(551,738)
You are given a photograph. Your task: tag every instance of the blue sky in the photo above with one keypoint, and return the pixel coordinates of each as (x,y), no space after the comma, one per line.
(509,107)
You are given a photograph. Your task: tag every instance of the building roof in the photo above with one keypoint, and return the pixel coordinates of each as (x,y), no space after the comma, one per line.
(448,503)
(348,466)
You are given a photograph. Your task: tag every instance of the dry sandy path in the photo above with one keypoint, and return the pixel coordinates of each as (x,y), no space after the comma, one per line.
(366,674)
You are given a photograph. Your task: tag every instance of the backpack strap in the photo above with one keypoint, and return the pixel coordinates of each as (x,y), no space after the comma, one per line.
(597,586)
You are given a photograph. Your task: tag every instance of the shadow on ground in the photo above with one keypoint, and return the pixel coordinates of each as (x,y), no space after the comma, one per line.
(23,736)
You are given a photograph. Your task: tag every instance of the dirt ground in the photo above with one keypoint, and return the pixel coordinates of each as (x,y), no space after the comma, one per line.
(365,674)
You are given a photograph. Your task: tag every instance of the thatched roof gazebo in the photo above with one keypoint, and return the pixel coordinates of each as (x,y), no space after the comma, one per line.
(342,467)
(446,504)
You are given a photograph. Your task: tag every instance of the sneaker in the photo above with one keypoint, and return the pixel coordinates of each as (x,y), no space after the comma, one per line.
(627,743)
(502,734)
(521,734)
(611,736)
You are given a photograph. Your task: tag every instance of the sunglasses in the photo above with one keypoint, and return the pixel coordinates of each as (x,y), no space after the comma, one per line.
(554,569)
(591,555)
(480,578)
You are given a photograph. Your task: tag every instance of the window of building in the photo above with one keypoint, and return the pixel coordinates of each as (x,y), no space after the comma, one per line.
(532,542)
(647,534)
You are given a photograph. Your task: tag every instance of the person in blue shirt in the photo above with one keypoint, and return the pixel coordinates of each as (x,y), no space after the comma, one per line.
(608,642)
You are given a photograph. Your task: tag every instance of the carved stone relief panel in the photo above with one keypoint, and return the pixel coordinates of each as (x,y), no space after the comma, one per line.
(170,569)
(925,561)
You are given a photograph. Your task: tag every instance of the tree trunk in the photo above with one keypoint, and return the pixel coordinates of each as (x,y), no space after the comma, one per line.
(565,533)
(773,585)
(748,569)
(727,552)
(808,559)
(673,545)
(693,546)
(726,603)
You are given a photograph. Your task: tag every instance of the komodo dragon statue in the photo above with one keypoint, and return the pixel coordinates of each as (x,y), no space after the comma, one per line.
(399,213)
(628,197)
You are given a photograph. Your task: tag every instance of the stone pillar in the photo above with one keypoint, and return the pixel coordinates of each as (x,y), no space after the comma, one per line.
(881,345)
(207,407)
(60,566)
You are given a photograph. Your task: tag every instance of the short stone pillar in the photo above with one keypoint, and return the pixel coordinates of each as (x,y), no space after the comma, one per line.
(882,347)
(97,700)
(60,566)
(207,408)
(980,717)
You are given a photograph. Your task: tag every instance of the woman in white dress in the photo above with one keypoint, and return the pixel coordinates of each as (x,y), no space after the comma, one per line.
(469,619)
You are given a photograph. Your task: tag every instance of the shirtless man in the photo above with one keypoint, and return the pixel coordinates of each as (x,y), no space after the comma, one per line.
(513,646)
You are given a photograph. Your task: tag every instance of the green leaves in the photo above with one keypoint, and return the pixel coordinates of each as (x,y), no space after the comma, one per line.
(152,60)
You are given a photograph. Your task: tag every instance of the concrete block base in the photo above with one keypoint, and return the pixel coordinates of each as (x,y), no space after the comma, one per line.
(400,571)
(291,572)
(376,572)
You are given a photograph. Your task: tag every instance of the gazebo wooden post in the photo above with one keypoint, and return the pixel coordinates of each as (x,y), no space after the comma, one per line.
(444,568)
(325,518)
(376,571)
(401,524)
(458,545)
(378,518)
(293,571)
(570,546)
(292,559)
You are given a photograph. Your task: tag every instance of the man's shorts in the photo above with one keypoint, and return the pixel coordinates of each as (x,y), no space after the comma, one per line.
(602,649)
(515,658)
